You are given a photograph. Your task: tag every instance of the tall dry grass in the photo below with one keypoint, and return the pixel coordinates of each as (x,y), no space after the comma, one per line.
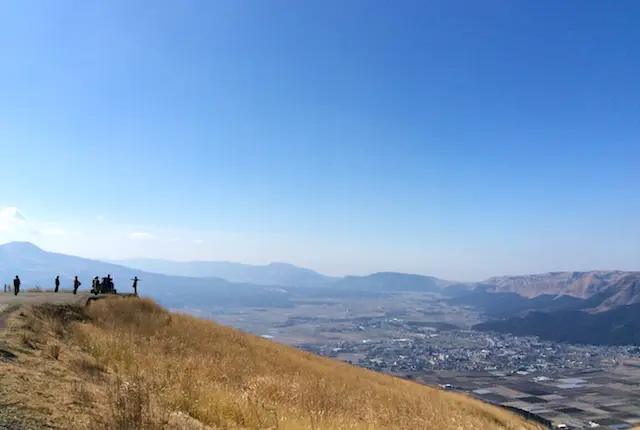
(172,364)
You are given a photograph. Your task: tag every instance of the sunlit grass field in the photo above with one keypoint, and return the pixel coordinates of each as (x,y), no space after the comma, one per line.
(133,364)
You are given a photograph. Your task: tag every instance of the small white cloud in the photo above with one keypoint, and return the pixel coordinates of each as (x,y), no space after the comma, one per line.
(53,231)
(174,240)
(141,235)
(11,219)
(198,241)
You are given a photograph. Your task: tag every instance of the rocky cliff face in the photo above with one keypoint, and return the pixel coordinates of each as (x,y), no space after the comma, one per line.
(577,284)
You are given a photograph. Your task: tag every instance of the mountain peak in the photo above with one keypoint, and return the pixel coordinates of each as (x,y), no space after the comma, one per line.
(21,247)
(280,264)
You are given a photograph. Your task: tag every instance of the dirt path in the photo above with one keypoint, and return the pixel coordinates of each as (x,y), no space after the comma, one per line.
(9,302)
(12,415)
(23,373)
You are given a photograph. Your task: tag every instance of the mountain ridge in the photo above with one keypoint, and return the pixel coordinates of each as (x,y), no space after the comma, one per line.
(37,267)
(274,273)
(625,292)
(577,284)
(619,326)
(609,317)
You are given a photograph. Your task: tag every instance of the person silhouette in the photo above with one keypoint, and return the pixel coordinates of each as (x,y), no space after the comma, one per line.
(16,286)
(95,288)
(135,285)
(76,285)
(57,284)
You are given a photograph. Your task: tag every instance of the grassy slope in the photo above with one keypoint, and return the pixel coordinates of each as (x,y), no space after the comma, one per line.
(129,362)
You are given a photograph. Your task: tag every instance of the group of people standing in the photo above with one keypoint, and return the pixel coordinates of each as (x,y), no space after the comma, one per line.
(97,287)
(106,286)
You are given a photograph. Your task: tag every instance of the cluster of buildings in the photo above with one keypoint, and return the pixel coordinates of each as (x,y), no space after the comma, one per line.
(559,385)
(462,350)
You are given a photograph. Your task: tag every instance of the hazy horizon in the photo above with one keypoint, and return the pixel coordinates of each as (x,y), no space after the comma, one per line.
(123,261)
(422,137)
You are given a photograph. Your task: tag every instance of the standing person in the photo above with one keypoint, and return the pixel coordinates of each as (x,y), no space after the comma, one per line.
(57,284)
(135,285)
(16,286)
(76,285)
(95,289)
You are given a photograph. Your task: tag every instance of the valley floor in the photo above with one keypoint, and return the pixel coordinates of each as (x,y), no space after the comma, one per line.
(576,398)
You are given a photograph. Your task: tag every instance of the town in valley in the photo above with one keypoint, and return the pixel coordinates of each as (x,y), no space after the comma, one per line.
(422,338)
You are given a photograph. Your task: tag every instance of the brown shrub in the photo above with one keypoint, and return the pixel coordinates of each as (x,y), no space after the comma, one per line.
(132,406)
(53,351)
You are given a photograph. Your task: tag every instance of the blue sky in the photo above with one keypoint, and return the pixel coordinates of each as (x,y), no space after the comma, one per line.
(460,139)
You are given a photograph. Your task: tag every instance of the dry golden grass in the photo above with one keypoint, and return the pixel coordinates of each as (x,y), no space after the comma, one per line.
(132,364)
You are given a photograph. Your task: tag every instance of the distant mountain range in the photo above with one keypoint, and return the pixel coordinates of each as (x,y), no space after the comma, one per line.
(28,258)
(625,291)
(379,284)
(288,275)
(498,296)
(192,284)
(601,301)
(577,284)
(281,274)
(611,316)
(37,267)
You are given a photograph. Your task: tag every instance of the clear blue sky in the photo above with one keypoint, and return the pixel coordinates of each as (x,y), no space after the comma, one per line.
(462,139)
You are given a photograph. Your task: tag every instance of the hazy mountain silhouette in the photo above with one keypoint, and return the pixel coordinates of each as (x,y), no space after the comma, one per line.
(620,326)
(282,274)
(392,281)
(288,275)
(247,285)
(458,289)
(37,267)
(376,285)
(508,304)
